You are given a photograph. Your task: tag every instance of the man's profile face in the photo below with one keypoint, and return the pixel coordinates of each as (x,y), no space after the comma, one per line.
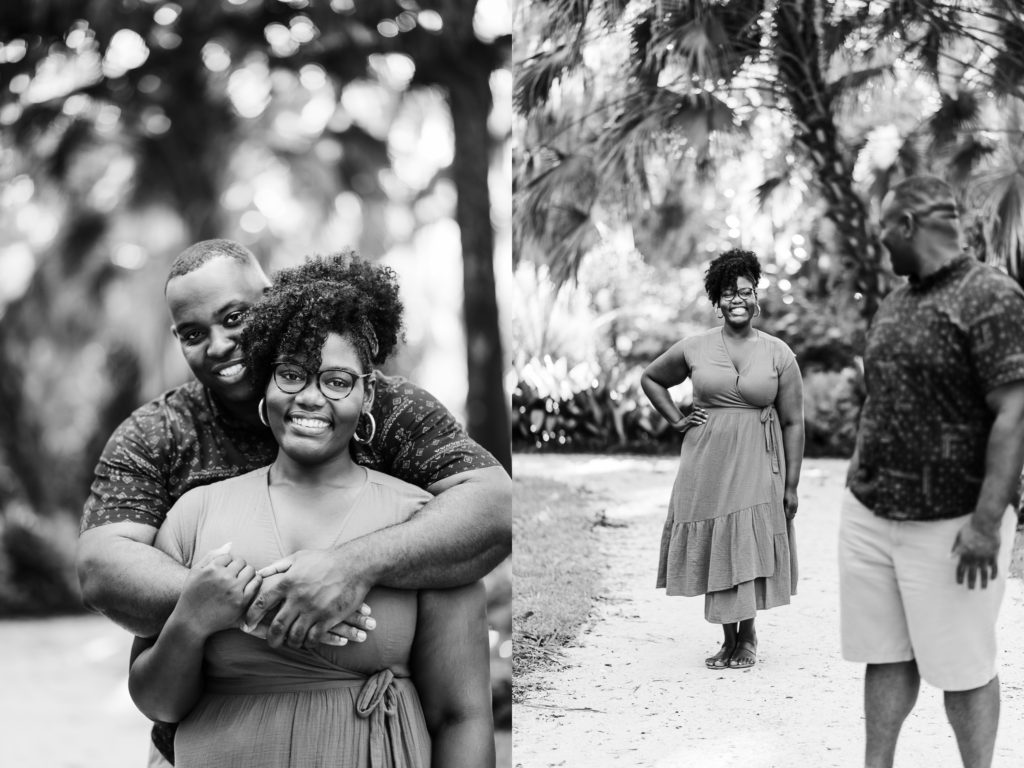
(208,309)
(895,238)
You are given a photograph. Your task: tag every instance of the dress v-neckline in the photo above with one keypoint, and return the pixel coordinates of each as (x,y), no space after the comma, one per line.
(344,523)
(746,362)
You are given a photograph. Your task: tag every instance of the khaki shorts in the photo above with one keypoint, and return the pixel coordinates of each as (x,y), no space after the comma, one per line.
(156,760)
(899,600)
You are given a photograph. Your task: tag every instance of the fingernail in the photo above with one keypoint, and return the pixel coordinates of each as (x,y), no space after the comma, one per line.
(247,627)
(360,636)
(371,623)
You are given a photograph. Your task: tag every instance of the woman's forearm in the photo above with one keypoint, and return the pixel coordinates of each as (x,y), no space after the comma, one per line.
(661,399)
(166,679)
(793,447)
(464,743)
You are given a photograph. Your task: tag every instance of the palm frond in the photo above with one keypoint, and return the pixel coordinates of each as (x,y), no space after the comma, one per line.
(909,158)
(569,251)
(858,79)
(536,76)
(966,157)
(957,112)
(1000,194)
(706,41)
(1007,66)
(552,211)
(766,188)
(611,11)
(837,32)
(655,118)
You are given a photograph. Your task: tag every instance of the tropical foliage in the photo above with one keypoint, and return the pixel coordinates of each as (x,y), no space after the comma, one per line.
(625,104)
(676,129)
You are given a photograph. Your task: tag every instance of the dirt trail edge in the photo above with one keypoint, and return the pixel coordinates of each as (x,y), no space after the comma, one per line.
(635,691)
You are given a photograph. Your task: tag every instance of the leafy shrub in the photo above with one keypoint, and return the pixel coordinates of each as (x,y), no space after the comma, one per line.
(37,568)
(832,403)
(585,410)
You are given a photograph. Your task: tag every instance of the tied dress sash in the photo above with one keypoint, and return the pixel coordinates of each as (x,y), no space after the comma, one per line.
(392,744)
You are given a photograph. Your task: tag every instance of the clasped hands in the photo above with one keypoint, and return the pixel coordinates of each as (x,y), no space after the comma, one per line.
(302,600)
(977,549)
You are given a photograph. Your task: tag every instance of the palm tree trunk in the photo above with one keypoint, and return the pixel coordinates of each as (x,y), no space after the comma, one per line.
(487,407)
(798,57)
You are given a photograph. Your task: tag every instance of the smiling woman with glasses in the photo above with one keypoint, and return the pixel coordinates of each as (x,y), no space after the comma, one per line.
(334,383)
(729,531)
(416,690)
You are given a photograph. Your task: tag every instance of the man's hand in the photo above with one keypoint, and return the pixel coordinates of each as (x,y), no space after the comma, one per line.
(317,600)
(217,591)
(977,549)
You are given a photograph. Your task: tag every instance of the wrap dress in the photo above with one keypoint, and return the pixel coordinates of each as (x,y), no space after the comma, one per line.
(726,536)
(275,708)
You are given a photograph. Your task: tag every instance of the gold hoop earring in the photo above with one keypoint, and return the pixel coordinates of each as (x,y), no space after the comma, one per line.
(373,430)
(757,310)
(261,410)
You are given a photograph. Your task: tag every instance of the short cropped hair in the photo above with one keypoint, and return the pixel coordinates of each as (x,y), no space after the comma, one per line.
(340,294)
(929,199)
(723,272)
(199,254)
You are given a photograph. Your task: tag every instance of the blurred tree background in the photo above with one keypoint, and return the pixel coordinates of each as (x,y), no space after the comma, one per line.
(652,135)
(130,129)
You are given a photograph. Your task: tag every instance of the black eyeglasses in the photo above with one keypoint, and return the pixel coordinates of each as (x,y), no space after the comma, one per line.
(334,383)
(743,293)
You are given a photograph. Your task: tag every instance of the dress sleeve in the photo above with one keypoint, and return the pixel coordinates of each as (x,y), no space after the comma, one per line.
(418,440)
(996,334)
(688,347)
(784,357)
(177,536)
(129,482)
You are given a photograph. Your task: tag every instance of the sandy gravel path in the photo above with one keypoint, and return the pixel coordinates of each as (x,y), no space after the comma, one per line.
(635,691)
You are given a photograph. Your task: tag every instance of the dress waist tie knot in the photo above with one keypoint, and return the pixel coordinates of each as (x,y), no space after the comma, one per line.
(378,703)
(770,443)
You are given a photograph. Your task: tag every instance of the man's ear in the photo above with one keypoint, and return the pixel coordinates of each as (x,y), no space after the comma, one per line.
(908,224)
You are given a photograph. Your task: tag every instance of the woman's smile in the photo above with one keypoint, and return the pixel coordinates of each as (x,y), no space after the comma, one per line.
(308,424)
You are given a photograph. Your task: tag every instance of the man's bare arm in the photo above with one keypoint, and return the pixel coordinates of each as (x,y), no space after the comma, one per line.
(978,541)
(454,540)
(126,578)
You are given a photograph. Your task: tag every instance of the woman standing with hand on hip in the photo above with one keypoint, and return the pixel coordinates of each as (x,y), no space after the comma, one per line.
(729,533)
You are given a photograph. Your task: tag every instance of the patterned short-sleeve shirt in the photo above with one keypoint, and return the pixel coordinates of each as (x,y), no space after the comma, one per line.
(182,440)
(936,348)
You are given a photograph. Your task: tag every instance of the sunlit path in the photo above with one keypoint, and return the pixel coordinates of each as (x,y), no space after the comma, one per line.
(636,692)
(64,697)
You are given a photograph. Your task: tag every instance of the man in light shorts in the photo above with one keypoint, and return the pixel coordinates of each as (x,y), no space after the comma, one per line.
(927,520)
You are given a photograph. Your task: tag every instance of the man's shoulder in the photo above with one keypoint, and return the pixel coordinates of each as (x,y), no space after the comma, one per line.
(398,386)
(189,398)
(397,398)
(177,411)
(985,278)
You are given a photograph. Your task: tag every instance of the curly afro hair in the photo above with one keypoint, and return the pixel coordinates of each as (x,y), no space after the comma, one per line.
(724,270)
(340,294)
